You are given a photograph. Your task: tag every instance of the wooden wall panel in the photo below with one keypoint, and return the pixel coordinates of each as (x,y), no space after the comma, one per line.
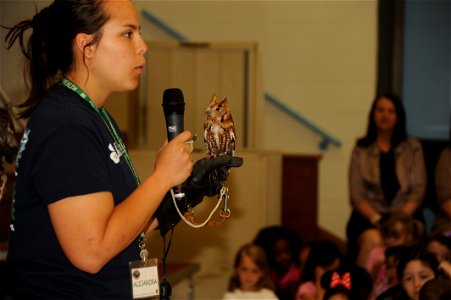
(300,195)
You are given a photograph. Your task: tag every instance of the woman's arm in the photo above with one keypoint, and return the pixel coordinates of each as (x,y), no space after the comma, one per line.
(410,207)
(91,230)
(418,179)
(357,189)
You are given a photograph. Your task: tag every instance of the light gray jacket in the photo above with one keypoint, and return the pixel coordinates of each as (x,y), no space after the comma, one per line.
(364,176)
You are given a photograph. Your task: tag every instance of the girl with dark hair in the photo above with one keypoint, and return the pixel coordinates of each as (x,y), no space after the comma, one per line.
(439,244)
(415,270)
(348,283)
(337,285)
(387,173)
(282,246)
(80,212)
(324,256)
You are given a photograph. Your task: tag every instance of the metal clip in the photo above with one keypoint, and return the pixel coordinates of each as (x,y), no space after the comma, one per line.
(144,254)
(225,211)
(142,246)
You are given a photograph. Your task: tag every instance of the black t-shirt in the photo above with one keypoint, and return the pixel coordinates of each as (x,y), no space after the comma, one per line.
(66,151)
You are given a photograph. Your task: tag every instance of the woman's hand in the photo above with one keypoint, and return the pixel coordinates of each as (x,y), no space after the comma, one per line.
(174,162)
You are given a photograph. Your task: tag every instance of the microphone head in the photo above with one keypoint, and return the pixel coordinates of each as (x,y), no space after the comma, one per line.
(173,101)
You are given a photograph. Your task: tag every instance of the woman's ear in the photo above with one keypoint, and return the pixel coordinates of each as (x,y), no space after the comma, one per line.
(82,46)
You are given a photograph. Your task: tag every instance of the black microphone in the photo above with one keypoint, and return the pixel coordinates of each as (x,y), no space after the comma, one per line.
(174,109)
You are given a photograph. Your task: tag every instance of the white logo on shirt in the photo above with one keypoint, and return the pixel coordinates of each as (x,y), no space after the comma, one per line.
(115,154)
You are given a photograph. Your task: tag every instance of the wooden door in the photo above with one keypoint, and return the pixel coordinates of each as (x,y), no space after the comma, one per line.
(300,195)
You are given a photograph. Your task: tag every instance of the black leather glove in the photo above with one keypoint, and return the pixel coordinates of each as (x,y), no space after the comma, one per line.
(206,180)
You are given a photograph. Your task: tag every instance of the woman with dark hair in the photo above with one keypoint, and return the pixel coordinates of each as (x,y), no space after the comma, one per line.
(387,174)
(80,212)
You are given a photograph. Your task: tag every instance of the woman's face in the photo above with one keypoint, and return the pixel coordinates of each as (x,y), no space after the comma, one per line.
(415,275)
(385,115)
(118,59)
(249,274)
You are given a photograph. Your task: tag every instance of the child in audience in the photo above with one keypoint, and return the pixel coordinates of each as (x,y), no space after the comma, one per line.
(436,289)
(349,283)
(282,246)
(337,285)
(250,279)
(439,243)
(324,256)
(399,229)
(393,255)
(414,271)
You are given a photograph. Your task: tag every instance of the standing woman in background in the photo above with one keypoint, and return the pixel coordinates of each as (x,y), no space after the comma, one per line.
(387,173)
(79,210)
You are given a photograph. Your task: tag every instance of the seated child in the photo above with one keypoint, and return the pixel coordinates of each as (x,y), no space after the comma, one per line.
(250,279)
(324,256)
(282,247)
(399,229)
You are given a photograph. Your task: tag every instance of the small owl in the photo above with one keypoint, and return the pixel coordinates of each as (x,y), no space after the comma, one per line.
(219,131)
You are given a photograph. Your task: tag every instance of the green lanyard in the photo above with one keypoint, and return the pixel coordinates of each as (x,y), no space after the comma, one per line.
(119,144)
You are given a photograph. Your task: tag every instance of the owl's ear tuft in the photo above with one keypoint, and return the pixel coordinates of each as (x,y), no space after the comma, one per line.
(213,99)
(223,102)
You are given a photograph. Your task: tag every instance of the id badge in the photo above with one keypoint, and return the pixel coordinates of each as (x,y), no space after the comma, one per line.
(144,278)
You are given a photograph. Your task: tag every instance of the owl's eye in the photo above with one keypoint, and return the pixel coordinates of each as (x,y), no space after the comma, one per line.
(217,108)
